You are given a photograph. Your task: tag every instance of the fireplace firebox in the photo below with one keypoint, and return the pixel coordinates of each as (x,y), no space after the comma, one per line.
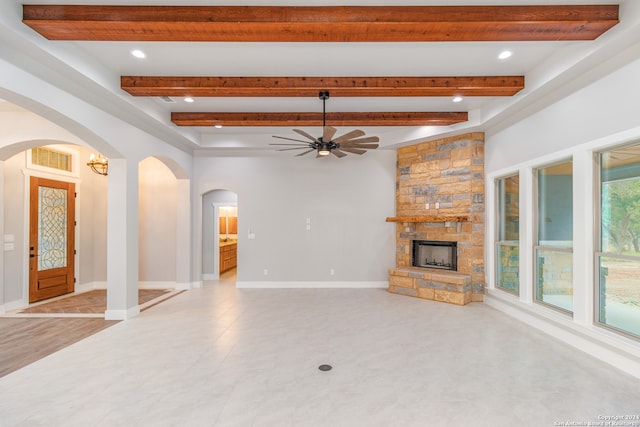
(435,254)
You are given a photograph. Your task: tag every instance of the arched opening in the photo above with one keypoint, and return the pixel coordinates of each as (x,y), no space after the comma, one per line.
(219,234)
(89,240)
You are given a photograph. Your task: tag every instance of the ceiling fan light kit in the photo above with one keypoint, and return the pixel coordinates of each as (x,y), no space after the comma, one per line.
(350,142)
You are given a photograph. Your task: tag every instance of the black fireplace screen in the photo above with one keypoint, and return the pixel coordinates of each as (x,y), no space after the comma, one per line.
(435,254)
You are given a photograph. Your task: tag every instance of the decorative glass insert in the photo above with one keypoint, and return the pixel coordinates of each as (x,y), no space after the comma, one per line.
(508,235)
(554,242)
(51,158)
(52,228)
(618,258)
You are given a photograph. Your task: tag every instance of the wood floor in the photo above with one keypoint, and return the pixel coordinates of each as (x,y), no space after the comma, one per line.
(25,340)
(28,338)
(94,301)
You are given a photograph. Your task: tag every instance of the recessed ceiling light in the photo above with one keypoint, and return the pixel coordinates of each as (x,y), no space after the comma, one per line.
(138,53)
(188,99)
(457,99)
(218,126)
(505,54)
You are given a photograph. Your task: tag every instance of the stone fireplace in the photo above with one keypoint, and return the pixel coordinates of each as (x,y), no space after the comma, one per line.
(440,198)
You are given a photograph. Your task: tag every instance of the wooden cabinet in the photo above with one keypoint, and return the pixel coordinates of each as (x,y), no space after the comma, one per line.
(228,256)
(233,225)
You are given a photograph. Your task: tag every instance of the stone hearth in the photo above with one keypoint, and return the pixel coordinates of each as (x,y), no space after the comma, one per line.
(448,175)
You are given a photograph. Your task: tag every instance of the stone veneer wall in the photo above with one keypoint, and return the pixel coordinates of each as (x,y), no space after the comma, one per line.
(450,172)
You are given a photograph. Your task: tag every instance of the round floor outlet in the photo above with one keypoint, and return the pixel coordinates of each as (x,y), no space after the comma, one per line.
(325,367)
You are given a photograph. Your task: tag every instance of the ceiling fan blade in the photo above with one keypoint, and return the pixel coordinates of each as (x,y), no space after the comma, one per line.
(328,132)
(339,154)
(306,135)
(290,139)
(363,140)
(353,150)
(365,146)
(349,135)
(302,154)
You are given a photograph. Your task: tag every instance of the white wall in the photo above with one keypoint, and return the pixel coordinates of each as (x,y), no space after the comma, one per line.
(156,223)
(346,201)
(14,224)
(603,108)
(601,115)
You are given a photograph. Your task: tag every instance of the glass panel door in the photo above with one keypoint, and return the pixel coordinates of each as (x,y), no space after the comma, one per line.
(51,238)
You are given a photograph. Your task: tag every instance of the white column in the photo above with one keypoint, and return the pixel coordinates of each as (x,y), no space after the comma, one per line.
(183,235)
(196,241)
(122,240)
(583,229)
(526,234)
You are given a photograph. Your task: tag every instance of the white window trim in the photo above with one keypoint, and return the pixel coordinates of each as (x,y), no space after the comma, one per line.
(75,161)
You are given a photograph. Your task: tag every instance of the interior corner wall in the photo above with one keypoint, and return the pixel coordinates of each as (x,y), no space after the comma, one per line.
(92,251)
(344,201)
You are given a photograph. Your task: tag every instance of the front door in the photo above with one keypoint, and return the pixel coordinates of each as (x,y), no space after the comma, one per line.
(51,238)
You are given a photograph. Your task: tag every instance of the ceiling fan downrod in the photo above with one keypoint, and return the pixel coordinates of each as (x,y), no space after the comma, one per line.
(324,95)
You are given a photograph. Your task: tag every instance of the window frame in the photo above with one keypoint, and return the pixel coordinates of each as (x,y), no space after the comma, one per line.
(536,237)
(597,240)
(498,243)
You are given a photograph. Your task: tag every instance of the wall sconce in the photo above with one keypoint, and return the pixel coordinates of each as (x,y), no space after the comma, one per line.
(99,164)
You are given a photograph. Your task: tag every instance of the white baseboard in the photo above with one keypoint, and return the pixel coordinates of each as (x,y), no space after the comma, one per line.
(82,287)
(157,285)
(183,286)
(141,285)
(210,277)
(311,285)
(14,305)
(122,314)
(617,351)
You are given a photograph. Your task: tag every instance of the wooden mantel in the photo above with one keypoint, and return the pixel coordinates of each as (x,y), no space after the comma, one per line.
(432,218)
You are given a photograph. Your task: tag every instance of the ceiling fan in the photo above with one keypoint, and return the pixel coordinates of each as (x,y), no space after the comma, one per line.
(350,142)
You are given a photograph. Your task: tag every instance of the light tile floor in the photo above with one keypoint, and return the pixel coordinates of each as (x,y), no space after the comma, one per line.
(218,356)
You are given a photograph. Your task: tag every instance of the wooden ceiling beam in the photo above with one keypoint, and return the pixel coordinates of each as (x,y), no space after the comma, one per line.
(320,23)
(315,119)
(311,86)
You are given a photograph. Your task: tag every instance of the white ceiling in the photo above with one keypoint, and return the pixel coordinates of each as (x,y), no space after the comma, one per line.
(96,67)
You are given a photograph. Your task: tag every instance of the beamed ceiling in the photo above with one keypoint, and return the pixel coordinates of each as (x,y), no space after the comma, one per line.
(275,55)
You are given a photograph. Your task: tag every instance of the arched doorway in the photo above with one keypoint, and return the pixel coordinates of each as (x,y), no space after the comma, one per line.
(219,233)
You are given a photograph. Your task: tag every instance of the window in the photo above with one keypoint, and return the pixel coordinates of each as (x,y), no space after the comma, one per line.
(51,158)
(508,234)
(553,251)
(618,246)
